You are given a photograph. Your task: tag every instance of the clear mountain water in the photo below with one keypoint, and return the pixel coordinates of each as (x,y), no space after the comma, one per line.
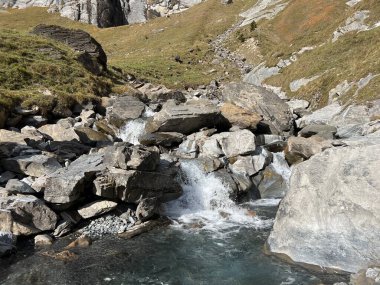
(211,241)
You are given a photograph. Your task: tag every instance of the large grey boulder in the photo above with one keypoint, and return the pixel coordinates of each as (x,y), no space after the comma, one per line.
(65,185)
(185,118)
(331,215)
(16,186)
(275,112)
(124,108)
(230,144)
(15,138)
(241,117)
(91,53)
(131,186)
(31,165)
(60,132)
(25,215)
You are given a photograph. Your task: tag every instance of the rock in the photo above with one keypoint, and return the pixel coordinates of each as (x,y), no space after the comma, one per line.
(321,116)
(208,164)
(25,215)
(131,186)
(67,149)
(146,209)
(189,148)
(297,104)
(240,117)
(324,131)
(82,241)
(273,181)
(63,228)
(31,165)
(123,109)
(227,180)
(90,137)
(91,53)
(142,228)
(106,128)
(34,121)
(7,241)
(43,240)
(11,137)
(300,149)
(368,276)
(6,176)
(273,143)
(161,94)
(250,165)
(66,185)
(230,144)
(330,217)
(126,156)
(166,139)
(185,118)
(258,100)
(59,132)
(96,209)
(16,186)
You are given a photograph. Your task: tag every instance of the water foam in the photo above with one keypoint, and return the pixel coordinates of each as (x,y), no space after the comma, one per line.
(205,204)
(134,129)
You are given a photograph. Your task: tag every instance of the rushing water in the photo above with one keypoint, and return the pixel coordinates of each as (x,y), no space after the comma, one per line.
(212,241)
(134,129)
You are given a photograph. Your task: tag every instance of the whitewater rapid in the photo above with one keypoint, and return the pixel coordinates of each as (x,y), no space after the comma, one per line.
(206,204)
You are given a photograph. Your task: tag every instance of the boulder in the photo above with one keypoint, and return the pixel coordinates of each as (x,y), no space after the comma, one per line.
(273,143)
(299,149)
(146,208)
(325,131)
(273,181)
(90,137)
(31,165)
(230,144)
(252,164)
(65,185)
(126,156)
(60,132)
(166,139)
(6,176)
(96,209)
(367,276)
(241,117)
(25,215)
(16,186)
(330,218)
(258,100)
(160,94)
(104,127)
(91,53)
(189,148)
(124,108)
(297,104)
(15,138)
(43,240)
(185,118)
(131,186)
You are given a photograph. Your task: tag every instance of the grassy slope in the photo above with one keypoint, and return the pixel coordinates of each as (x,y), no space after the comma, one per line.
(30,65)
(312,23)
(148,49)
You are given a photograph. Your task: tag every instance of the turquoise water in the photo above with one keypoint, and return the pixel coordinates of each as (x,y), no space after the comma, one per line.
(171,255)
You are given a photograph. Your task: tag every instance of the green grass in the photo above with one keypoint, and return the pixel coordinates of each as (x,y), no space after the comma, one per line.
(30,65)
(147,50)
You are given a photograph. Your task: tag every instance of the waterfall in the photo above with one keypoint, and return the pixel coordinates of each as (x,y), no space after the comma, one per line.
(206,203)
(280,165)
(134,129)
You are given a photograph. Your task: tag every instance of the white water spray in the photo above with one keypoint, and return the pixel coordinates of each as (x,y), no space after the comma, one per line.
(206,204)
(134,129)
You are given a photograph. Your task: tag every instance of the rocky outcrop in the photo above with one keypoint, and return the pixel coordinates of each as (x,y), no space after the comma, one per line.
(330,217)
(275,112)
(91,53)
(106,13)
(185,118)
(25,215)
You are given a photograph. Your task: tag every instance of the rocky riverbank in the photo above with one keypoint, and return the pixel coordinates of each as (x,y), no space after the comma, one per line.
(110,167)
